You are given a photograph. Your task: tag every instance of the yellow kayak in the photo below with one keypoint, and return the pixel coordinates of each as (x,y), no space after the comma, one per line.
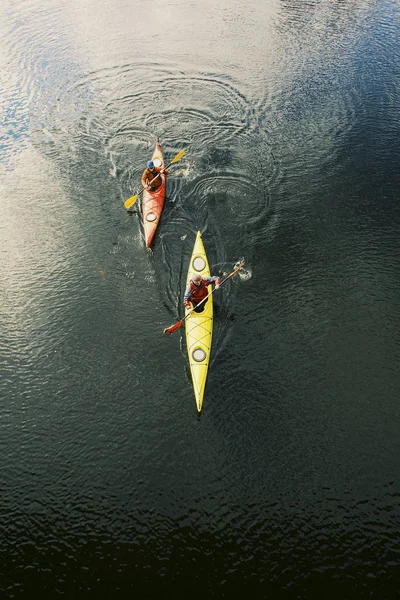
(199,326)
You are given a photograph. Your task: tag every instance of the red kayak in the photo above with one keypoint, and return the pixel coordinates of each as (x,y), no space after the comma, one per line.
(153,202)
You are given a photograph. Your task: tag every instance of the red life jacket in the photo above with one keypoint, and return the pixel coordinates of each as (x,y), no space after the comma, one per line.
(198,292)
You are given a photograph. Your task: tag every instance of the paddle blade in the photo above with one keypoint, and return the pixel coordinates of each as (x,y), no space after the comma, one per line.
(131,201)
(178,157)
(173,328)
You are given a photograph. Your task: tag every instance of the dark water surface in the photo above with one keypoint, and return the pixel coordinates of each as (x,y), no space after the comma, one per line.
(287,485)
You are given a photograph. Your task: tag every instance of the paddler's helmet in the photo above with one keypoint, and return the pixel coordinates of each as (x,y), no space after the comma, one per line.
(150,164)
(197,279)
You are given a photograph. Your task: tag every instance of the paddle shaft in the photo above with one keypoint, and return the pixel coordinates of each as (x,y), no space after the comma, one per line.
(179,323)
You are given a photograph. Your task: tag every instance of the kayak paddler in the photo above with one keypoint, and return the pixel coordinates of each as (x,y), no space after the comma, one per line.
(196,291)
(150,172)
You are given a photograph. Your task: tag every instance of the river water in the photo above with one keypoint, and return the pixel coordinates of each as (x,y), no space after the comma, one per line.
(287,484)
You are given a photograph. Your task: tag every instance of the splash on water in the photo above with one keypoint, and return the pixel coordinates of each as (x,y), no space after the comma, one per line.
(245,274)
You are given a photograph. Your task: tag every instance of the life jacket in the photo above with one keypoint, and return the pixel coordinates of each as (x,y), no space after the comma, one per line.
(198,292)
(149,176)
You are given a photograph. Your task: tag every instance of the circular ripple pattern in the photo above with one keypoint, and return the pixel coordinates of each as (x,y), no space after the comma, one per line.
(207,116)
(119,112)
(115,114)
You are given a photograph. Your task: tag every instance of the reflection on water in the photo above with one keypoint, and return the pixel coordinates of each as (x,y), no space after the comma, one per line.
(289,117)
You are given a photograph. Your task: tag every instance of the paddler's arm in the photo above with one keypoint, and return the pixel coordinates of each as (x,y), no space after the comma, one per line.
(160,172)
(186,297)
(211,280)
(144,179)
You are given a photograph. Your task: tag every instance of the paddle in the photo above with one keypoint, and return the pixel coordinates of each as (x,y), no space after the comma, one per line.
(131,201)
(177,325)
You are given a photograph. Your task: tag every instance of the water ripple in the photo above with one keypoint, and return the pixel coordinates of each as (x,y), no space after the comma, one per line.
(285,485)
